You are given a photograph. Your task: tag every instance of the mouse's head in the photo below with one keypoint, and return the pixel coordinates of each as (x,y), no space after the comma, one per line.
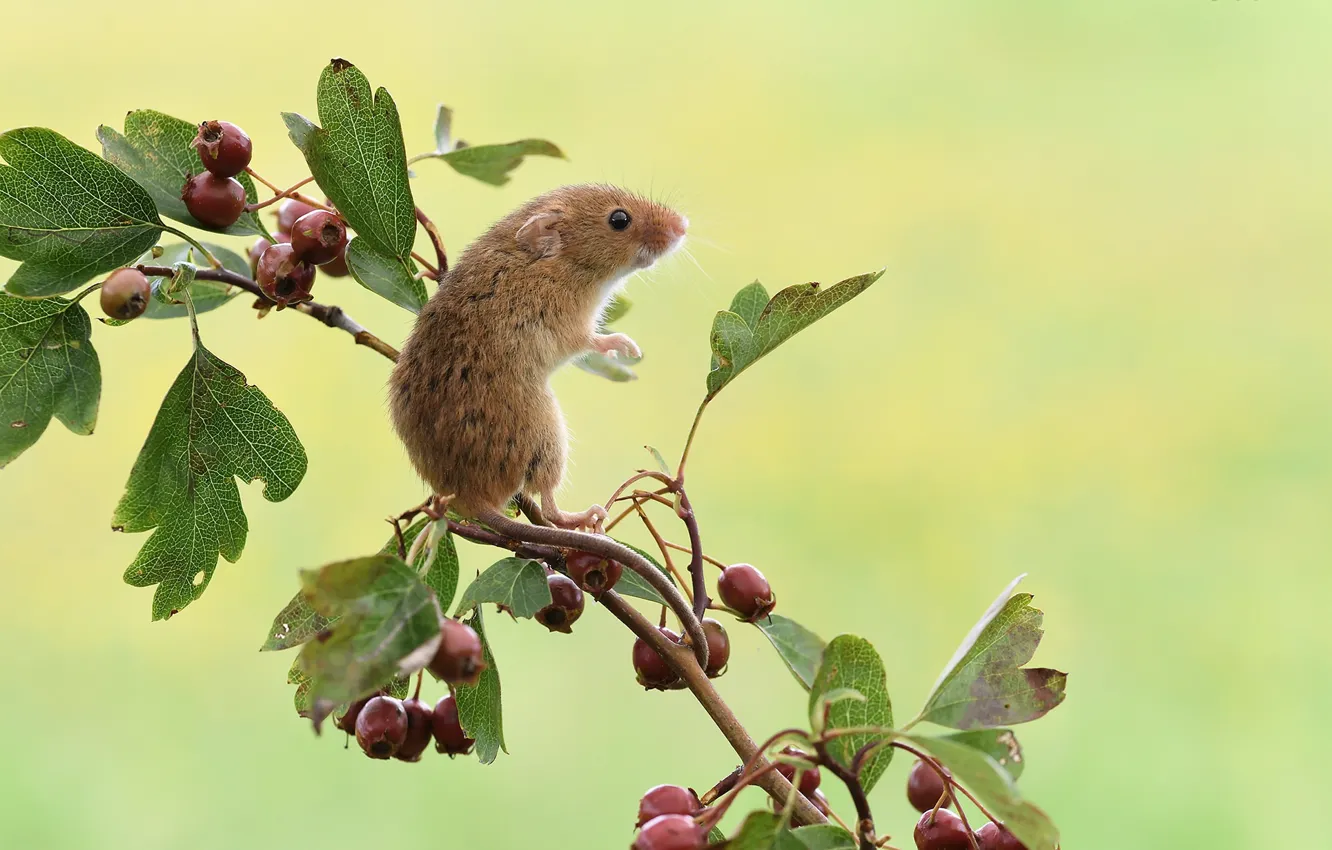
(603,231)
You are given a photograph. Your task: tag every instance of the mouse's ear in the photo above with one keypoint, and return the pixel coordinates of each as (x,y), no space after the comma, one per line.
(539,236)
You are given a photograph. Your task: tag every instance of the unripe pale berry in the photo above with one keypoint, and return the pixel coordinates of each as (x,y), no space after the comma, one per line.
(381,727)
(566,604)
(214,201)
(125,294)
(420,726)
(284,278)
(224,149)
(449,735)
(667,800)
(942,830)
(671,832)
(459,659)
(744,589)
(319,237)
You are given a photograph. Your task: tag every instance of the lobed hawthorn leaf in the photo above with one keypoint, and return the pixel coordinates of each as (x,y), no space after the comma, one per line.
(385,624)
(516,583)
(358,159)
(47,368)
(632,584)
(798,647)
(212,428)
(66,213)
(206,294)
(437,566)
(818,837)
(157,151)
(755,325)
(984,684)
(390,277)
(479,708)
(493,163)
(999,744)
(995,787)
(851,662)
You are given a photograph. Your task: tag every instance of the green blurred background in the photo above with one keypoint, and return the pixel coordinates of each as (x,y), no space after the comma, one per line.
(1100,355)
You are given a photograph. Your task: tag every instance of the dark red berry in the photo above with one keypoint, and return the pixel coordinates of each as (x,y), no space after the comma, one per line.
(593,573)
(942,830)
(125,294)
(459,659)
(214,201)
(809,780)
(283,278)
(347,723)
(566,604)
(257,250)
(291,210)
(420,726)
(319,237)
(336,267)
(381,727)
(995,836)
(652,670)
(667,800)
(719,647)
(924,787)
(224,148)
(670,832)
(746,591)
(449,736)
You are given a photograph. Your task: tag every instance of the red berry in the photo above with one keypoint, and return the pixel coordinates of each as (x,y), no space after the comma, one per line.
(566,604)
(223,148)
(809,780)
(942,830)
(257,250)
(994,836)
(671,832)
(420,723)
(347,723)
(449,735)
(652,670)
(336,267)
(746,591)
(381,727)
(214,201)
(925,787)
(459,659)
(719,647)
(125,294)
(319,237)
(291,210)
(593,573)
(283,278)
(667,800)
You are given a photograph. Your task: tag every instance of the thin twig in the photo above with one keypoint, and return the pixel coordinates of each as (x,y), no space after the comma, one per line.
(661,545)
(706,556)
(435,239)
(686,514)
(851,779)
(285,193)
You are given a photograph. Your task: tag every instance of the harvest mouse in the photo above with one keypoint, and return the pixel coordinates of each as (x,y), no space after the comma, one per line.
(471,394)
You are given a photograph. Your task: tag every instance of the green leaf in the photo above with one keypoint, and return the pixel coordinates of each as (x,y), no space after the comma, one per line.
(851,662)
(438,565)
(754,326)
(392,277)
(758,832)
(443,129)
(994,787)
(716,836)
(212,428)
(984,684)
(47,368)
(157,150)
(387,624)
(479,709)
(661,461)
(301,679)
(616,308)
(492,163)
(800,648)
(829,699)
(206,294)
(516,583)
(999,744)
(819,837)
(632,584)
(615,369)
(358,158)
(66,213)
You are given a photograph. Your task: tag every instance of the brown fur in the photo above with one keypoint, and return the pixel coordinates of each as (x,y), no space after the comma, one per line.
(470,394)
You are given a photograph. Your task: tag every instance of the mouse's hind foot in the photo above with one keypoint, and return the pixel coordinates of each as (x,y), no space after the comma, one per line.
(593,519)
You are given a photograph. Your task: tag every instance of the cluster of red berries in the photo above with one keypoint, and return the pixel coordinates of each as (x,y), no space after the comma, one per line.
(940,829)
(387,727)
(307,237)
(666,820)
(214,196)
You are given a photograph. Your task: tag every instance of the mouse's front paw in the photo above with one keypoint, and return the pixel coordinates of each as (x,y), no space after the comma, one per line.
(618,345)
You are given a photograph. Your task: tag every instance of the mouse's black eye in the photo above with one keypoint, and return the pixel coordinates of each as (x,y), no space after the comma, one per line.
(619,220)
